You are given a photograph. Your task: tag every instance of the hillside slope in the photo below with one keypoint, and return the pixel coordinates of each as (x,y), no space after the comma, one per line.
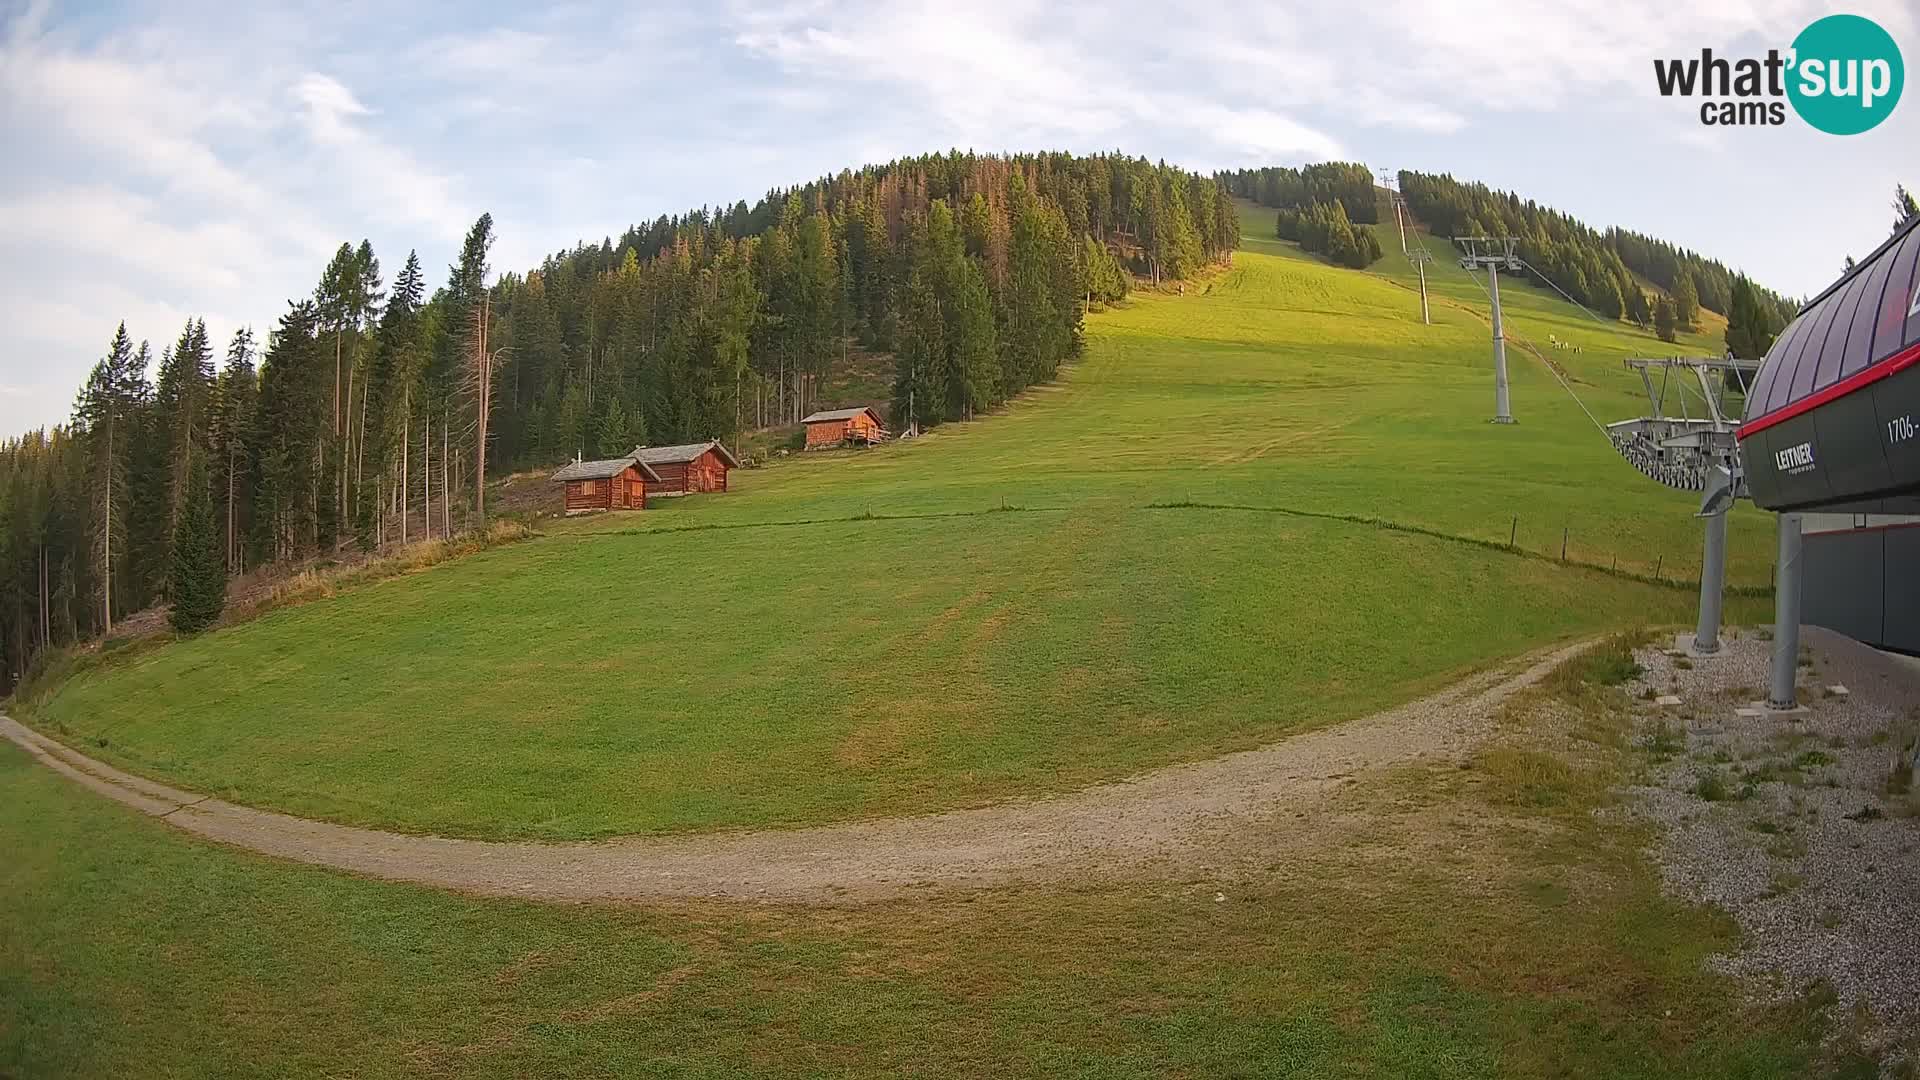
(849,635)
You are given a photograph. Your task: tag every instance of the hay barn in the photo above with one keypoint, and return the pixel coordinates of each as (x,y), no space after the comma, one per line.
(835,427)
(609,484)
(689,467)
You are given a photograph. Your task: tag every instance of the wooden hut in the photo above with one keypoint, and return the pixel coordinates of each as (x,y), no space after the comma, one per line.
(836,427)
(689,467)
(612,484)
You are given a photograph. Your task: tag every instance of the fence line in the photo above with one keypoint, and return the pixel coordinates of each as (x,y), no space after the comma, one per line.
(1511,547)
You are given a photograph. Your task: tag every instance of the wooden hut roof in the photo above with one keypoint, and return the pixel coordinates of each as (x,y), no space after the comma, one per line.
(840,414)
(675,455)
(605,467)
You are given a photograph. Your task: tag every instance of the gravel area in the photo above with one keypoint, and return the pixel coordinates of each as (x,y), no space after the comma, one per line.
(1803,827)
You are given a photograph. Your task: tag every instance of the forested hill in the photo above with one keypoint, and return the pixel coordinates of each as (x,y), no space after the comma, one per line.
(367,398)
(1596,268)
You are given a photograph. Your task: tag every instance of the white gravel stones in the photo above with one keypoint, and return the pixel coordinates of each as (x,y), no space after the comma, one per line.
(1798,824)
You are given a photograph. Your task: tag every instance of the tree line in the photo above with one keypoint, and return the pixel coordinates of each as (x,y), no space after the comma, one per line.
(372,411)
(1346,183)
(1596,268)
(1324,228)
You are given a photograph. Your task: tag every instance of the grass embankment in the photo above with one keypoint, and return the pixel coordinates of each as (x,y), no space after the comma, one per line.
(1471,920)
(912,650)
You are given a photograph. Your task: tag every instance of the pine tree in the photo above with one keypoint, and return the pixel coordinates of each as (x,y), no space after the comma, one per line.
(1639,311)
(920,376)
(1750,325)
(147,487)
(1664,320)
(1183,243)
(1904,206)
(197,585)
(1686,303)
(570,425)
(452,333)
(1607,300)
(336,302)
(231,446)
(975,356)
(295,384)
(727,307)
(394,390)
(1030,346)
(182,399)
(614,431)
(103,416)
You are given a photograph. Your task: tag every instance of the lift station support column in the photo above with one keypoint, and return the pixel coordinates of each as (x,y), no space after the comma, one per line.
(1713,579)
(1786,617)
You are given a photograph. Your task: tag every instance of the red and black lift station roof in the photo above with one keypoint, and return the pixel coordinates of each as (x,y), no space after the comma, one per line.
(1833,417)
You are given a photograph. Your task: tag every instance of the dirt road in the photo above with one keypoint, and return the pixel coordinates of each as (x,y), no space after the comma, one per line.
(1159,822)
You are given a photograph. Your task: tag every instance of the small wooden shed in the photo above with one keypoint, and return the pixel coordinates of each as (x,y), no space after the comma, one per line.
(612,484)
(837,426)
(689,467)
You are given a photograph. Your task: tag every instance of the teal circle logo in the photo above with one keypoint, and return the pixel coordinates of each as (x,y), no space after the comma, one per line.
(1846,74)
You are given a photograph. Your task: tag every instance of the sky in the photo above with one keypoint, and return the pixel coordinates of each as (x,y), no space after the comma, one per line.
(174,160)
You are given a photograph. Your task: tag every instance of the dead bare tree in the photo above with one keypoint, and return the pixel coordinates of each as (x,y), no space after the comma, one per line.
(481,362)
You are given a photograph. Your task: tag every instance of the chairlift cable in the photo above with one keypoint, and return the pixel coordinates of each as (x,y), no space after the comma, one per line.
(1598,426)
(1562,292)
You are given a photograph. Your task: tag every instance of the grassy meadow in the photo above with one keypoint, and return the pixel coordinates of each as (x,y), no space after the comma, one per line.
(1114,574)
(1476,920)
(1268,504)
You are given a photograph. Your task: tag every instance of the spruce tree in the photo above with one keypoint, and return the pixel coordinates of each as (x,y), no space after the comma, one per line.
(920,376)
(197,585)
(1639,311)
(103,415)
(1029,345)
(1664,320)
(232,443)
(570,426)
(974,361)
(1686,303)
(182,397)
(613,431)
(1750,325)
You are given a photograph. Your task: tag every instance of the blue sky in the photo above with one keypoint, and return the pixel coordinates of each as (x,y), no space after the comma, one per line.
(176,159)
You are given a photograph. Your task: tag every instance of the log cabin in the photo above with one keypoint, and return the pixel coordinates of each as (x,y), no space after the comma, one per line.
(612,484)
(689,467)
(835,427)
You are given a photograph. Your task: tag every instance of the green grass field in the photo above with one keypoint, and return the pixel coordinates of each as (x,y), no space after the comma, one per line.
(1512,933)
(865,633)
(849,635)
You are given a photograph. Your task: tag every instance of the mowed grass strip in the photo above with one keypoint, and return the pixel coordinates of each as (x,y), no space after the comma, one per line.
(642,673)
(1446,939)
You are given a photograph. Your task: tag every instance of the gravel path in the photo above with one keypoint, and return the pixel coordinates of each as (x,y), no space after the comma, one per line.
(1166,820)
(1810,840)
